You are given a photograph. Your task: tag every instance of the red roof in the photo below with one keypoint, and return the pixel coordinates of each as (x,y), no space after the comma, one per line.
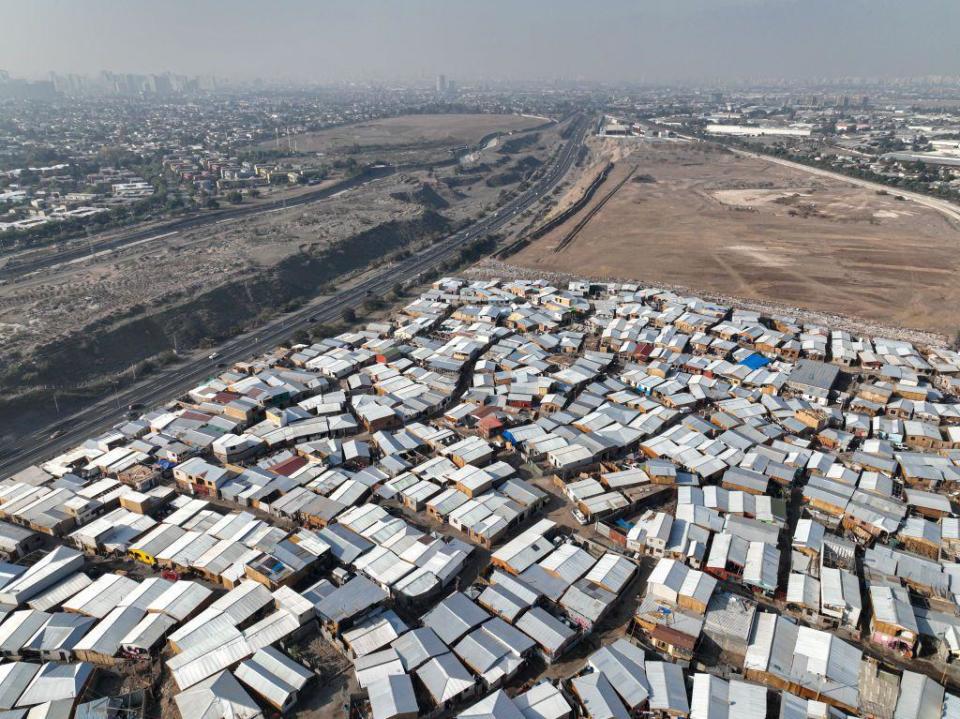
(673,637)
(193,414)
(483,411)
(491,421)
(289,466)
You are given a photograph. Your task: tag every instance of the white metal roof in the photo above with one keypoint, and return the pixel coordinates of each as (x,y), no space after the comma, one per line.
(221,695)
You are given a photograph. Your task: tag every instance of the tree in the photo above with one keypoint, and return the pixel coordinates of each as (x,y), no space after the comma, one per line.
(348,315)
(320,331)
(234,197)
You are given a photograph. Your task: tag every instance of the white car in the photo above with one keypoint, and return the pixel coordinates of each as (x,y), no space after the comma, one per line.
(213,355)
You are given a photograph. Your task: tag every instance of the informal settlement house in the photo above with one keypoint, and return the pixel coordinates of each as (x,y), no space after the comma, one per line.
(288,496)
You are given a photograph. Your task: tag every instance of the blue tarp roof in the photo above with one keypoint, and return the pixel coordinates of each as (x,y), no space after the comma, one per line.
(755,361)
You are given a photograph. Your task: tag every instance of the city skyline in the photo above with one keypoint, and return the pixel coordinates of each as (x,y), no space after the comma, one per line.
(688,41)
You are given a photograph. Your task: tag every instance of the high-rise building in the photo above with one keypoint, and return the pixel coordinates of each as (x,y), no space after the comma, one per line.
(441,84)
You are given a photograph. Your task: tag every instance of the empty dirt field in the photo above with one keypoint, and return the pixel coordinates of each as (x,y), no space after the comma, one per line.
(746,228)
(408,134)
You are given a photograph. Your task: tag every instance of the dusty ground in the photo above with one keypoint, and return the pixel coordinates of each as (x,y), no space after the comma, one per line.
(746,228)
(411,137)
(47,304)
(602,150)
(44,305)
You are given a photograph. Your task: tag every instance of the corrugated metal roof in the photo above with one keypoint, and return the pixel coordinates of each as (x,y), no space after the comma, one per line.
(391,697)
(62,631)
(598,697)
(377,666)
(668,692)
(180,599)
(102,596)
(59,563)
(454,616)
(622,663)
(14,679)
(272,628)
(543,701)
(352,599)
(105,638)
(273,675)
(417,646)
(497,705)
(920,697)
(60,592)
(243,601)
(220,696)
(546,629)
(374,633)
(18,628)
(445,678)
(146,592)
(194,665)
(716,698)
(148,632)
(612,571)
(55,682)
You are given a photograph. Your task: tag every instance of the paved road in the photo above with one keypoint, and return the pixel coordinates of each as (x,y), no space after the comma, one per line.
(173,381)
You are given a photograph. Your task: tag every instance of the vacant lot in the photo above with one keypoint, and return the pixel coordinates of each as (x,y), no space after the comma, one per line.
(745,228)
(410,136)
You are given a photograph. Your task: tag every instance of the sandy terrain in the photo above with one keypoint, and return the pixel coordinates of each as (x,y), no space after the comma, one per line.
(743,227)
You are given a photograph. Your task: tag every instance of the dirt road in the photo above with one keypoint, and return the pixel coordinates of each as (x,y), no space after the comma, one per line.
(947,208)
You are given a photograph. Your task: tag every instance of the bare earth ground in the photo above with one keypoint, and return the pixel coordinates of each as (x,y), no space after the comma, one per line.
(746,228)
(602,151)
(48,304)
(51,302)
(408,135)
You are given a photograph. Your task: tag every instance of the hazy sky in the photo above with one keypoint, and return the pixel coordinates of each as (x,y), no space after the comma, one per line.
(639,40)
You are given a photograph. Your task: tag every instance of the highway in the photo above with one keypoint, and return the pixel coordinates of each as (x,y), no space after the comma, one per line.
(172,382)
